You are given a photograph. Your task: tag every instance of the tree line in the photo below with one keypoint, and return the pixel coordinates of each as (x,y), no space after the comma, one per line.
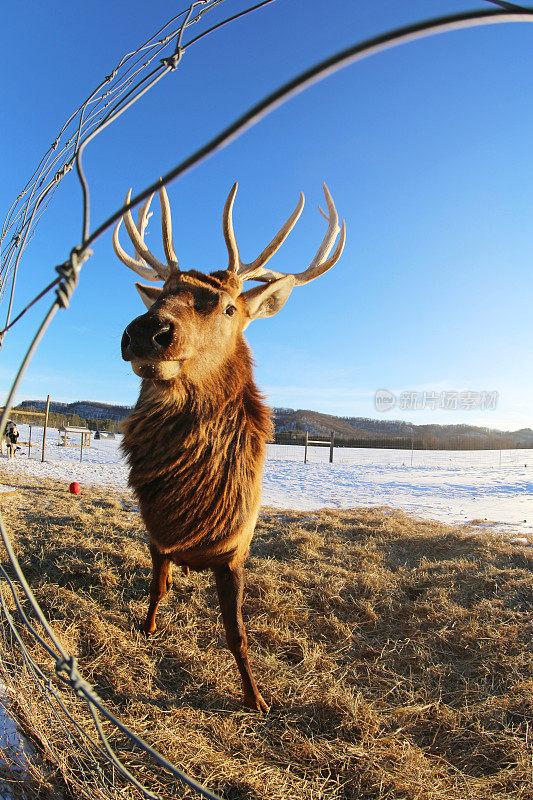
(57,420)
(421,442)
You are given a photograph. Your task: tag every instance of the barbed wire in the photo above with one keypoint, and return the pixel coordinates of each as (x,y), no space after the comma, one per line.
(118,91)
(99,751)
(22,216)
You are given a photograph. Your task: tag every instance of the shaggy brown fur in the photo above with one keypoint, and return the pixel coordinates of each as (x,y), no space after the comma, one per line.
(196,443)
(196,439)
(195,464)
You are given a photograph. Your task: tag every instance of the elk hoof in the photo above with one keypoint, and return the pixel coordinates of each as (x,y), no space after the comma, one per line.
(147,629)
(256,703)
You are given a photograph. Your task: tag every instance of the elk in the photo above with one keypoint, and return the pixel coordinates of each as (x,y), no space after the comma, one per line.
(196,439)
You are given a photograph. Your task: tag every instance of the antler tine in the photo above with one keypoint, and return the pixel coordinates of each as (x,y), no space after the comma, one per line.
(136,264)
(166,228)
(321,263)
(142,221)
(234,259)
(162,270)
(247,271)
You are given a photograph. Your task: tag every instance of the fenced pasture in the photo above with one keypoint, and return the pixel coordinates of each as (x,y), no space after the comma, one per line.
(102,451)
(450,486)
(107,452)
(395,654)
(390,456)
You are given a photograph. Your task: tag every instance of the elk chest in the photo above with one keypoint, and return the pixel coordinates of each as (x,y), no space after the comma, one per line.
(197,478)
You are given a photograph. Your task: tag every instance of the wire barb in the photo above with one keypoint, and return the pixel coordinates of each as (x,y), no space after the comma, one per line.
(69,273)
(67,671)
(173,60)
(62,172)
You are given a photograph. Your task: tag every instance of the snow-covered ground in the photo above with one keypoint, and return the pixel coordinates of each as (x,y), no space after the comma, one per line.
(451,486)
(16,747)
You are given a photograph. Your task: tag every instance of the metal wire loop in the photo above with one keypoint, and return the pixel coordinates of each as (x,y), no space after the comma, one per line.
(67,671)
(62,172)
(69,272)
(173,60)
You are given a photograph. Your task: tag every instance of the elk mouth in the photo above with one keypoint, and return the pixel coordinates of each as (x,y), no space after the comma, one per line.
(157,370)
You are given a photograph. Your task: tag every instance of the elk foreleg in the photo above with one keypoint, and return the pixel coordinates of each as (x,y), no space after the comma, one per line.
(230,588)
(161,583)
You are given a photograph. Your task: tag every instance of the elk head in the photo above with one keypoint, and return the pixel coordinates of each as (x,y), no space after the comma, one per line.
(194,321)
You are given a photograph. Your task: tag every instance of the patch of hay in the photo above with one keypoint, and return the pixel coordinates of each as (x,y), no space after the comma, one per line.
(396,653)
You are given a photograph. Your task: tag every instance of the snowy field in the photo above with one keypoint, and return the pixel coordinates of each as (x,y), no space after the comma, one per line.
(451,486)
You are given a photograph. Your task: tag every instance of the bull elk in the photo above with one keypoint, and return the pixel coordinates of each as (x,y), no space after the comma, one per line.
(196,439)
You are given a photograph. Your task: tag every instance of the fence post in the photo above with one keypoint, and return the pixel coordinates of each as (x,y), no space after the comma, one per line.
(45,424)
(81,448)
(29,443)
(305,451)
(412,448)
(331,445)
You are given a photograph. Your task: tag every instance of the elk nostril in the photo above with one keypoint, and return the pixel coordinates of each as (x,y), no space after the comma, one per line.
(163,338)
(126,340)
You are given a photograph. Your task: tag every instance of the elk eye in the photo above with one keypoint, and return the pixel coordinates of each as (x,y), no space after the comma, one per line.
(230,311)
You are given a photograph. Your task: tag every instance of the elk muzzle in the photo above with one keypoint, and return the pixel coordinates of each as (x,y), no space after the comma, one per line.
(147,342)
(147,336)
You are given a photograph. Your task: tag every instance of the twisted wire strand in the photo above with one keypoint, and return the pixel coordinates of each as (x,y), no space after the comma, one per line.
(47,688)
(93,124)
(67,672)
(22,217)
(91,99)
(65,664)
(43,683)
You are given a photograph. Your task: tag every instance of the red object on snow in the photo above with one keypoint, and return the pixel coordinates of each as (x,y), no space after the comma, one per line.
(75,488)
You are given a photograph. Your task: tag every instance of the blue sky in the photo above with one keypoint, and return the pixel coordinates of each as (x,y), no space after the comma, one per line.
(426,149)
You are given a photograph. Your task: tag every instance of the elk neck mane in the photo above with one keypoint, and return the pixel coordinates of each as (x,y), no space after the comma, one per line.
(196,456)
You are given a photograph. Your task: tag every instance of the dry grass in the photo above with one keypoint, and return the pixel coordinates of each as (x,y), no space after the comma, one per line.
(396,653)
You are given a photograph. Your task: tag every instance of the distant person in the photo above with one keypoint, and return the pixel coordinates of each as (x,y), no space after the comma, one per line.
(10,437)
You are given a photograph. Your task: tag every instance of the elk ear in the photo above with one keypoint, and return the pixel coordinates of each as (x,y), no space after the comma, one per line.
(149,294)
(264,301)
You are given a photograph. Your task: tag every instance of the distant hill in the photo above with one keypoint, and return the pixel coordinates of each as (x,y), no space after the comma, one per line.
(87,409)
(291,424)
(287,419)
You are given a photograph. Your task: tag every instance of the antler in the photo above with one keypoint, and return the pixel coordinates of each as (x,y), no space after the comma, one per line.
(157,270)
(255,269)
